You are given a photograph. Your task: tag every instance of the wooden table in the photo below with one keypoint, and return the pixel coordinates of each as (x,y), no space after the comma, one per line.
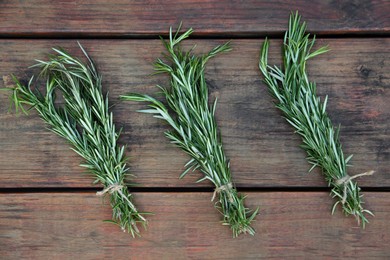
(48,208)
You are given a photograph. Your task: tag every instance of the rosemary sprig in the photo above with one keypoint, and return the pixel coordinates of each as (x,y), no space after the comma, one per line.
(85,122)
(296,98)
(194,126)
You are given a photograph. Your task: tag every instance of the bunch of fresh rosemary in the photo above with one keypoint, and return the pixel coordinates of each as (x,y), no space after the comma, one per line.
(85,122)
(194,126)
(296,98)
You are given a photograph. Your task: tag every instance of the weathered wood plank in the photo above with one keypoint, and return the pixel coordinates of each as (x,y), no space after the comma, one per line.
(229,17)
(262,148)
(185,226)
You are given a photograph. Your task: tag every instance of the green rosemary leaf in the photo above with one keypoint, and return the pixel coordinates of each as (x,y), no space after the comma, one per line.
(296,97)
(86,123)
(348,158)
(195,128)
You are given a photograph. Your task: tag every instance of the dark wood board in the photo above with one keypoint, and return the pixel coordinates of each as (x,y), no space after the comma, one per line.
(120,18)
(186,226)
(48,207)
(263,150)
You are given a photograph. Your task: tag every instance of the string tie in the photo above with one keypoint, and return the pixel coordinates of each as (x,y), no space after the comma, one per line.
(115,187)
(346,179)
(219,189)
(110,189)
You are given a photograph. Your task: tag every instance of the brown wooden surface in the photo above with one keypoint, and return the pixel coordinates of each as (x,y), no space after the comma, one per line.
(262,148)
(290,225)
(142,18)
(48,208)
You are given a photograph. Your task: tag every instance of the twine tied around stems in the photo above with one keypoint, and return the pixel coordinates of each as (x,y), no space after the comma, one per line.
(110,189)
(347,178)
(116,187)
(225,187)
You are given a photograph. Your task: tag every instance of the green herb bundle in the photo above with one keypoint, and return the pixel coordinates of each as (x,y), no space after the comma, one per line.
(84,121)
(296,97)
(194,126)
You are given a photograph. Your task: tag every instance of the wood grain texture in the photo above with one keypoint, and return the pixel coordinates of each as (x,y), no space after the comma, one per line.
(185,226)
(67,223)
(124,18)
(263,150)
